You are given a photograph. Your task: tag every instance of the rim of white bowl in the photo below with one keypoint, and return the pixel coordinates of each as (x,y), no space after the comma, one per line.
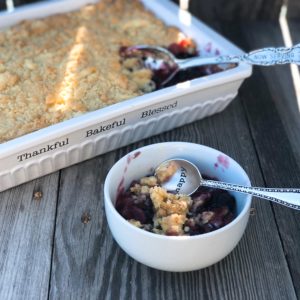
(109,205)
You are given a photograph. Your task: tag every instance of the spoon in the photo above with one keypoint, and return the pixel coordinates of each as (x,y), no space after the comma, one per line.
(160,58)
(183,177)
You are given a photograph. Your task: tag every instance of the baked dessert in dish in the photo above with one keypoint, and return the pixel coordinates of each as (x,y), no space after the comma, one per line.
(150,207)
(59,67)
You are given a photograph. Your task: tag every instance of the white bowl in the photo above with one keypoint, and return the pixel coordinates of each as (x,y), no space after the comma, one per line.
(175,253)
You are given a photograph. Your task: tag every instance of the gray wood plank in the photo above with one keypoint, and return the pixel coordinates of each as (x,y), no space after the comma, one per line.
(87,263)
(279,79)
(27,216)
(271,105)
(83,251)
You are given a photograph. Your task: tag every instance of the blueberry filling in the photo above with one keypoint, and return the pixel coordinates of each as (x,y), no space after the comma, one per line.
(180,50)
(208,210)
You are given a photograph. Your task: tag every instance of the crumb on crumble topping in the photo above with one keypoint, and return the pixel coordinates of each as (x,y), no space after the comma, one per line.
(170,210)
(166,170)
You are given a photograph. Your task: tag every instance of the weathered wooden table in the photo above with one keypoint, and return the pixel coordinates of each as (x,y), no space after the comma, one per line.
(55,242)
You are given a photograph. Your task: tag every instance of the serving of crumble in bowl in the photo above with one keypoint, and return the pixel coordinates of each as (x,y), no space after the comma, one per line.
(175,232)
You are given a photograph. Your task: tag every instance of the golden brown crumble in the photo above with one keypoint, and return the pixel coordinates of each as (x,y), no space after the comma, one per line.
(135,223)
(170,209)
(172,224)
(166,170)
(140,189)
(150,181)
(62,66)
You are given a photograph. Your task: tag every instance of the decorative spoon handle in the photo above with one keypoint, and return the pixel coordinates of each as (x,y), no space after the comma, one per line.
(272,56)
(262,57)
(288,197)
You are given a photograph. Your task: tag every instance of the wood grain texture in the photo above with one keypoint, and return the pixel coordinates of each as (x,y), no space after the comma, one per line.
(82,249)
(273,113)
(26,230)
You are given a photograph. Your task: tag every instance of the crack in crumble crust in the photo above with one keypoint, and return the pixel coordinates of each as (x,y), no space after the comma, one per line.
(56,68)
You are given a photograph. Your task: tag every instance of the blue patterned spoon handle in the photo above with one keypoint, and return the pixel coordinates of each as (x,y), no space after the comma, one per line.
(261,57)
(269,56)
(289,197)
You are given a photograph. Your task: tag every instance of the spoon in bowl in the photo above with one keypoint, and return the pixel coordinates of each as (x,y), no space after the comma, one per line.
(180,176)
(156,57)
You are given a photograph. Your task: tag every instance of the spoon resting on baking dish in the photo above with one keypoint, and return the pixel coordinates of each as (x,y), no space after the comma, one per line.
(156,57)
(181,176)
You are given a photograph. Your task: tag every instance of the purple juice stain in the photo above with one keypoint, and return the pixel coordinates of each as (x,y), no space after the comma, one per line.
(223,160)
(121,187)
(136,154)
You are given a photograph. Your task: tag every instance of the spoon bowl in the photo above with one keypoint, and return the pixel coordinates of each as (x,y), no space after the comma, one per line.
(159,58)
(179,176)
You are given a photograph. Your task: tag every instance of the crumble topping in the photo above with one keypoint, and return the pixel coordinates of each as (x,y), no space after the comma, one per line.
(166,203)
(149,181)
(170,210)
(166,170)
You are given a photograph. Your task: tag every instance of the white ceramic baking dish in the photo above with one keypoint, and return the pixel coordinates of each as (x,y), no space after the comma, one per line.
(61,145)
